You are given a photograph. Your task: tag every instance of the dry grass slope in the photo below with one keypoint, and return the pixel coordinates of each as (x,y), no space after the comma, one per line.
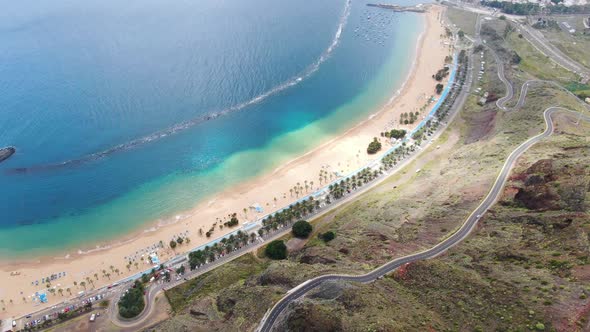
(523,269)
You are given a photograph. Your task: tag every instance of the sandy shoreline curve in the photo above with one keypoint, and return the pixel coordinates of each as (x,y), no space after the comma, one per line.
(340,153)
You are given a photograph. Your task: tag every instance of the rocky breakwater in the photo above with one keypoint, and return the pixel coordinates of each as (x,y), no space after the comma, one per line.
(396,8)
(6,153)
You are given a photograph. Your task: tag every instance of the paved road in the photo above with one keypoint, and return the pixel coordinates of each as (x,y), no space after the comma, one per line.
(536,38)
(155,289)
(272,315)
(527,84)
(544,46)
(469,224)
(501,103)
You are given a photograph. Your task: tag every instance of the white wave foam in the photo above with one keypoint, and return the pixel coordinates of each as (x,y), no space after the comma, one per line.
(310,70)
(89,251)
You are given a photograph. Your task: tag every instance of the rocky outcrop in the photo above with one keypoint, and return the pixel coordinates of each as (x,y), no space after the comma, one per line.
(6,153)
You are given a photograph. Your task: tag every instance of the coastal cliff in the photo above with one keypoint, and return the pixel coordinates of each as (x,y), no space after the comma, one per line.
(6,153)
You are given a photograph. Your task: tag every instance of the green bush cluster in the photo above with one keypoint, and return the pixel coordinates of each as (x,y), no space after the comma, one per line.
(328,236)
(301,229)
(132,303)
(374,146)
(408,118)
(395,133)
(441,73)
(276,250)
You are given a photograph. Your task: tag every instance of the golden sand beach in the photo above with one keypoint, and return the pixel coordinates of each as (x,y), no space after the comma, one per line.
(341,153)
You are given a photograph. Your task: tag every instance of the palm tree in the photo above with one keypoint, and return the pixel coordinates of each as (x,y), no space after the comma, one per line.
(112,268)
(96,276)
(291,191)
(76,284)
(136,264)
(245,213)
(108,276)
(10,301)
(104,272)
(128,267)
(24,299)
(117,271)
(61,292)
(83,284)
(69,291)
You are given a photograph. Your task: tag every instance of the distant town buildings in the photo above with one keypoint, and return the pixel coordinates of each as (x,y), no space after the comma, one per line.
(544,3)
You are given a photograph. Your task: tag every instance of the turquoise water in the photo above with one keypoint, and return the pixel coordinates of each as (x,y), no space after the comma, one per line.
(122,117)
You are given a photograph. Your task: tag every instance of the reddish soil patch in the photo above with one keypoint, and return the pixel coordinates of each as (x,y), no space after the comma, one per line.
(582,272)
(481,124)
(509,193)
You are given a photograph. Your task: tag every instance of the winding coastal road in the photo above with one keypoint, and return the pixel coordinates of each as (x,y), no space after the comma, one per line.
(501,103)
(533,36)
(545,47)
(268,321)
(469,224)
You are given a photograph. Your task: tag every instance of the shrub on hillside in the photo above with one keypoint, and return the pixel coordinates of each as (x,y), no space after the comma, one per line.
(328,236)
(276,250)
(301,229)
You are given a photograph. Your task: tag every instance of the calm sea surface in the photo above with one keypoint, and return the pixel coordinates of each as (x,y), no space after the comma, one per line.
(126,112)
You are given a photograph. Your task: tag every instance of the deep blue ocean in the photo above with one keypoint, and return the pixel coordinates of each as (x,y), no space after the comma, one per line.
(123,113)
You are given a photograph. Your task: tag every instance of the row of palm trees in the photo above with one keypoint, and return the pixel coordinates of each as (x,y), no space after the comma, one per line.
(88,281)
(299,189)
(293,212)
(325,176)
(224,246)
(83,284)
(339,189)
(430,126)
